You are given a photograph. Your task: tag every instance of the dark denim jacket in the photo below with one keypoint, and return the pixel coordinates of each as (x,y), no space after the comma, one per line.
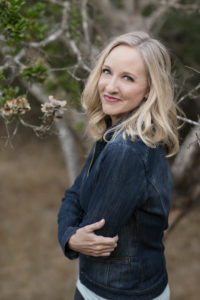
(129,185)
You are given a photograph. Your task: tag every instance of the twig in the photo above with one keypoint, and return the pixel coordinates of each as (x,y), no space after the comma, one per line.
(195,89)
(78,54)
(193,69)
(48,40)
(198,138)
(61,3)
(85,24)
(174,4)
(188,121)
(15,59)
(27,124)
(8,140)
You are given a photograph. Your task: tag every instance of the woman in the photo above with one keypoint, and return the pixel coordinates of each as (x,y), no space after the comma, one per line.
(114,215)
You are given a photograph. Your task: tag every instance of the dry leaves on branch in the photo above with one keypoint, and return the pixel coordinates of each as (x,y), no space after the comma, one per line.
(18,106)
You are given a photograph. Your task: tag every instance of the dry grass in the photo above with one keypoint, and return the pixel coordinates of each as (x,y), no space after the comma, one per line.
(33,180)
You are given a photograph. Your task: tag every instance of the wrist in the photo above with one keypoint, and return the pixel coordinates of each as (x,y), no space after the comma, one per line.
(70,242)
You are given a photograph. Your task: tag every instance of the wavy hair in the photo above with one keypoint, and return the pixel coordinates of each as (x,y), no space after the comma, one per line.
(154,120)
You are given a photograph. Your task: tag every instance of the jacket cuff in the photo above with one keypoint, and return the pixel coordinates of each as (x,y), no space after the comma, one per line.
(71,254)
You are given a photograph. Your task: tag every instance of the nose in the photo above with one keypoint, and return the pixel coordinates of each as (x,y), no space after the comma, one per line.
(112,85)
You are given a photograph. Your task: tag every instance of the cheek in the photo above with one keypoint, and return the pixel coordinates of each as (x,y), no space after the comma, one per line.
(101,85)
(134,93)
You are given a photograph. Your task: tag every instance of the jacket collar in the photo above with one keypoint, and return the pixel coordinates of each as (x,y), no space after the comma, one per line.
(111,128)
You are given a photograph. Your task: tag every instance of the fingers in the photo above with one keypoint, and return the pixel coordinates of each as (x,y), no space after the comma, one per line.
(116,238)
(103,254)
(102,250)
(95,226)
(106,241)
(94,245)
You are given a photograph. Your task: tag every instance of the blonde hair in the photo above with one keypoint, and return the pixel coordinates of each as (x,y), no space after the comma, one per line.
(154,120)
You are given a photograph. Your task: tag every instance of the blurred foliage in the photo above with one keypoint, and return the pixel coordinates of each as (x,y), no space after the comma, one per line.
(8,93)
(181,31)
(148,10)
(75,19)
(2,76)
(22,22)
(35,73)
(79,126)
(118,3)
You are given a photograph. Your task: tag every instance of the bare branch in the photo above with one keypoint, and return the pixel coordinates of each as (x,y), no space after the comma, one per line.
(198,138)
(183,160)
(65,134)
(85,24)
(174,4)
(189,94)
(61,3)
(27,124)
(19,56)
(156,20)
(69,148)
(188,121)
(16,59)
(48,40)
(76,51)
(68,69)
(193,69)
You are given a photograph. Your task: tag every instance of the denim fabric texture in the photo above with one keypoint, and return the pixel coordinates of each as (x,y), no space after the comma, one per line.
(129,185)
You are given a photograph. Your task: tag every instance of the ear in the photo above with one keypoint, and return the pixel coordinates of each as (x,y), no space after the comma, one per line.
(147,92)
(146,95)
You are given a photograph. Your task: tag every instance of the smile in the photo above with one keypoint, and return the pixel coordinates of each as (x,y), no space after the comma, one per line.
(111,99)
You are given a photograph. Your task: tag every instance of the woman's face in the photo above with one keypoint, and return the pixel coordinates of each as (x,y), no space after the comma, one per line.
(123,82)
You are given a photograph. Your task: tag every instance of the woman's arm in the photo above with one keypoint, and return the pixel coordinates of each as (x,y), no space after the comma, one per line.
(69,216)
(120,188)
(74,239)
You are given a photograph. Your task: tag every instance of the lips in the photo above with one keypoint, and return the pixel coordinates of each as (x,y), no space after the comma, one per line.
(111,99)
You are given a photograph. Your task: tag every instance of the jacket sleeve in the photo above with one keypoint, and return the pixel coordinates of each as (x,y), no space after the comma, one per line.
(120,187)
(70,213)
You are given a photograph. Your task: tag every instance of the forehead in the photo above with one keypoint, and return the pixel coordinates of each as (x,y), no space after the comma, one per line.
(126,57)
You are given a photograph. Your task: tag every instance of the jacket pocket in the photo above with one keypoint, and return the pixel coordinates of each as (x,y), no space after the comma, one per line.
(123,273)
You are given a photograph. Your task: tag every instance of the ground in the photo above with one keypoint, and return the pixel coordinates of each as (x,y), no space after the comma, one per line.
(33,180)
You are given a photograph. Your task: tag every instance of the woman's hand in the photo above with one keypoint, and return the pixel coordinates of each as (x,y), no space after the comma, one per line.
(85,241)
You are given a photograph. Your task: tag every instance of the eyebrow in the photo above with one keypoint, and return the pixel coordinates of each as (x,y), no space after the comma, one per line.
(124,72)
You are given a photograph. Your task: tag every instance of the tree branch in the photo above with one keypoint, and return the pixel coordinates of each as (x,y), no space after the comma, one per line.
(60,3)
(184,158)
(65,134)
(175,4)
(189,94)
(54,36)
(188,121)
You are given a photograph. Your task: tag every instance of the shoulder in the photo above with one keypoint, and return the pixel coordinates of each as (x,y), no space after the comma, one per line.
(136,148)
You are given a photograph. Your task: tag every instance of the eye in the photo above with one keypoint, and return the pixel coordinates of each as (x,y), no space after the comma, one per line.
(128,78)
(106,71)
